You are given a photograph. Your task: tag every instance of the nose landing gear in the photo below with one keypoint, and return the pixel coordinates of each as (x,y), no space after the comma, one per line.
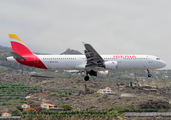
(149,75)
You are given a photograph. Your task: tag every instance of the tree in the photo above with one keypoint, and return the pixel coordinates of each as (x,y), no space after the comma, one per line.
(15,112)
(19,108)
(67,107)
(131,83)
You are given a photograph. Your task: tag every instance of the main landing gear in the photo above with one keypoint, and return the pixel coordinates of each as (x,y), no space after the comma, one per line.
(149,75)
(86,78)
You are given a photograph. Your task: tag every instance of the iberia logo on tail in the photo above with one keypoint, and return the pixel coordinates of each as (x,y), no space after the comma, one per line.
(23,55)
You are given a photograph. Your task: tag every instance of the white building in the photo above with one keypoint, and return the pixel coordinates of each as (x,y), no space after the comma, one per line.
(132,74)
(107,90)
(32,73)
(25,106)
(6,114)
(45,105)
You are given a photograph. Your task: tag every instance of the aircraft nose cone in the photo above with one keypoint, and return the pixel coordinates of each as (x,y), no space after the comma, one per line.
(163,64)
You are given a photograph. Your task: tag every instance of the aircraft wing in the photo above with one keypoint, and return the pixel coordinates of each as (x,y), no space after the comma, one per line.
(93,58)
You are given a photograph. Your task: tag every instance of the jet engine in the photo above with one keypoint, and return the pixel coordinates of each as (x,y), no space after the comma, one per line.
(111,65)
(100,74)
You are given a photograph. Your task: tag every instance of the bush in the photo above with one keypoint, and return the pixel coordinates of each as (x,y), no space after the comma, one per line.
(67,107)
(105,96)
(48,92)
(163,106)
(106,103)
(117,107)
(130,106)
(61,95)
(87,89)
(133,88)
(15,112)
(38,108)
(78,80)
(96,94)
(19,108)
(90,107)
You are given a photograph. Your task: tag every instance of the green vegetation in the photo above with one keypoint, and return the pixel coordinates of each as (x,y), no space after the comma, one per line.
(115,108)
(66,92)
(90,107)
(15,102)
(19,108)
(15,90)
(137,110)
(87,89)
(96,94)
(66,107)
(67,114)
(130,106)
(112,112)
(106,103)
(16,112)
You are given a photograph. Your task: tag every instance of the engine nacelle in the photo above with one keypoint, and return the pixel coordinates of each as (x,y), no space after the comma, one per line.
(102,74)
(111,65)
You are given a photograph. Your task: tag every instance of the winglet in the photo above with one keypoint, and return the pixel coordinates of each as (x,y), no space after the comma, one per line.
(83,43)
(14,36)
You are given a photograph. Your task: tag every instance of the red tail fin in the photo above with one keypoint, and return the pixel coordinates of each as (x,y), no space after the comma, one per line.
(23,55)
(18,46)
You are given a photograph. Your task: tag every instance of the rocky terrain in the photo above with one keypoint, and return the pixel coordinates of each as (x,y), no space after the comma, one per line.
(85,100)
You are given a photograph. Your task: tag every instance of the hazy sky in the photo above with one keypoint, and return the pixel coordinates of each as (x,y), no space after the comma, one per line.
(110,26)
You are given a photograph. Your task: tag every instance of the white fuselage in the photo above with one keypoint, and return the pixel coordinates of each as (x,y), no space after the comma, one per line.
(78,62)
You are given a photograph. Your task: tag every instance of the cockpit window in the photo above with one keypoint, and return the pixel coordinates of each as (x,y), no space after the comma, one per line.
(157,58)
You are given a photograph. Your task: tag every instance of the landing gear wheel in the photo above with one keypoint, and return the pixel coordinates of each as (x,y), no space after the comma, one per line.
(149,75)
(86,78)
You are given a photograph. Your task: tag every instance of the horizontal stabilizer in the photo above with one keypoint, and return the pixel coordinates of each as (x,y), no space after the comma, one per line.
(17,56)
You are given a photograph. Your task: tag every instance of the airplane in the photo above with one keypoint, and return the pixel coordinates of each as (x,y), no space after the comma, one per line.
(92,62)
